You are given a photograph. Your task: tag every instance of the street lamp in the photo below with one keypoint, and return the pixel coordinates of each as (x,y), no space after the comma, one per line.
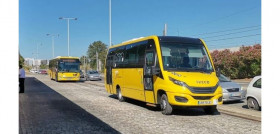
(36,65)
(63,18)
(110,31)
(53,35)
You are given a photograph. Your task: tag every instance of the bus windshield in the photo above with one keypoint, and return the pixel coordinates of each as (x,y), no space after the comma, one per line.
(185,57)
(69,66)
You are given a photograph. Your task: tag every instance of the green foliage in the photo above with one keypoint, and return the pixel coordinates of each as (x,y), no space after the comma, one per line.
(21,60)
(245,63)
(101,49)
(43,66)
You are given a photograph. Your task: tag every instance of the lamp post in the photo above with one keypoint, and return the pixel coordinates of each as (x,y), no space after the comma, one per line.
(63,18)
(53,35)
(110,31)
(36,65)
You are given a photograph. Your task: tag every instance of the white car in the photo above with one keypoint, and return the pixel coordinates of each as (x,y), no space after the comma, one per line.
(32,71)
(254,93)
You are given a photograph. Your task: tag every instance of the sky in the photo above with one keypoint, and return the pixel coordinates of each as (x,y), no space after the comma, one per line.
(221,24)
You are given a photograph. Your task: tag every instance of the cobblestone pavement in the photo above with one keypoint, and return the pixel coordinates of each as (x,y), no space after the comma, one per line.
(76,107)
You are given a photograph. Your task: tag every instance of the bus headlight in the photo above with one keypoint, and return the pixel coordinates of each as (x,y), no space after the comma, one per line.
(177,82)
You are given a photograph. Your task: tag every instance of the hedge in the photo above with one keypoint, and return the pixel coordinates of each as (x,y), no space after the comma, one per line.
(245,63)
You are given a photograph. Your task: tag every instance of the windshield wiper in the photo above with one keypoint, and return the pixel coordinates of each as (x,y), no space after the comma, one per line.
(202,70)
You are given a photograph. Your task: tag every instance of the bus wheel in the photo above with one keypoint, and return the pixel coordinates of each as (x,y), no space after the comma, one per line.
(165,106)
(120,97)
(212,110)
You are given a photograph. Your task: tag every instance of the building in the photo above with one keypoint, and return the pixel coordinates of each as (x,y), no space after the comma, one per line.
(29,61)
(44,62)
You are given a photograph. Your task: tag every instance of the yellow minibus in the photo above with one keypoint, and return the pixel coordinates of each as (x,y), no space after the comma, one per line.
(165,71)
(65,68)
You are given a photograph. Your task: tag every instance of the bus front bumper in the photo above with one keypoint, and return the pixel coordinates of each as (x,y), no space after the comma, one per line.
(179,99)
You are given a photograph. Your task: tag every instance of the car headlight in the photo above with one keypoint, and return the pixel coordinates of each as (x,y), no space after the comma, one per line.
(177,82)
(224,90)
(241,88)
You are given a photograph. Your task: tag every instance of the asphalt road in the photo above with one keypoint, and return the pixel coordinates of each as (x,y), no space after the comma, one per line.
(239,104)
(76,107)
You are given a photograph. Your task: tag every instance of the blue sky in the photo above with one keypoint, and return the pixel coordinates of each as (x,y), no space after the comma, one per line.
(132,19)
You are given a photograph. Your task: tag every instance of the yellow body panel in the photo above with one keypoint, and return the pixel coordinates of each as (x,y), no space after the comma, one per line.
(149,96)
(130,81)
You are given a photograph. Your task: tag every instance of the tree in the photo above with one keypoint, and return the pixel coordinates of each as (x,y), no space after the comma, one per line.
(21,60)
(101,49)
(84,63)
(43,66)
(84,59)
(245,63)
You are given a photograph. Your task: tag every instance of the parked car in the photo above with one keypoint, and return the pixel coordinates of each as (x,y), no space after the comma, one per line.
(32,71)
(231,90)
(93,75)
(254,93)
(43,72)
(82,74)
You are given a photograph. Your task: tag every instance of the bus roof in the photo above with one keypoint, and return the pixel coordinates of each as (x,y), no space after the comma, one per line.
(163,39)
(66,57)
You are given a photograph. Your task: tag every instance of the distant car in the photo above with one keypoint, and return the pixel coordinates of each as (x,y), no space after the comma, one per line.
(254,100)
(43,72)
(82,74)
(231,90)
(93,75)
(32,71)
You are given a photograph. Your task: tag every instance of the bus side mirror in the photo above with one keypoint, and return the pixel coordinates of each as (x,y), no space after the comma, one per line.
(218,72)
(155,70)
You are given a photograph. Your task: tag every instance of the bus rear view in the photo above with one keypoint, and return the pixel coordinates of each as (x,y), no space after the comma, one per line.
(176,72)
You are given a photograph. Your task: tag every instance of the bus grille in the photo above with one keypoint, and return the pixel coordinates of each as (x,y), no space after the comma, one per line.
(203,90)
(233,90)
(202,97)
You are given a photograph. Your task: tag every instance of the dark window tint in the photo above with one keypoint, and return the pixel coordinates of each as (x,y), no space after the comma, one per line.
(150,58)
(258,83)
(129,56)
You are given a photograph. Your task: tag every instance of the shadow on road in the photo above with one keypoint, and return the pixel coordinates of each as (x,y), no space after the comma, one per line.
(43,110)
(183,111)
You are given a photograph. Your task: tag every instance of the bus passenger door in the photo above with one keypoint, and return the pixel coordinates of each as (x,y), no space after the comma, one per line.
(109,78)
(148,76)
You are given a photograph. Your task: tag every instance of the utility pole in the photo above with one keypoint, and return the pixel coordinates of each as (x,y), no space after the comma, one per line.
(96,61)
(63,18)
(85,63)
(110,31)
(53,35)
(165,30)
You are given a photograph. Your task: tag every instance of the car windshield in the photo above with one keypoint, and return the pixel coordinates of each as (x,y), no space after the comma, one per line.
(223,78)
(69,66)
(93,72)
(185,57)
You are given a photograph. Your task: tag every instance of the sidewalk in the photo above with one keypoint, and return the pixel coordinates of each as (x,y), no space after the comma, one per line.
(243,113)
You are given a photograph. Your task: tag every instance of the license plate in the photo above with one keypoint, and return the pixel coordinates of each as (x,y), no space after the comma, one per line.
(204,102)
(234,94)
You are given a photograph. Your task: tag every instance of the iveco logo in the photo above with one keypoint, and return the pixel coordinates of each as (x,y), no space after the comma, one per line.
(202,82)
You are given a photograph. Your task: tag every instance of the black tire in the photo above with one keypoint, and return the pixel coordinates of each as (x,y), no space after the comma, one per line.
(165,106)
(253,104)
(120,97)
(211,110)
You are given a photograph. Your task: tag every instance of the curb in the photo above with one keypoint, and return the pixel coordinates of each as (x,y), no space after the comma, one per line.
(242,113)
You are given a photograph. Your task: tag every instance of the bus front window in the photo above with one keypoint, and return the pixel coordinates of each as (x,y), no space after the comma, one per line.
(185,57)
(69,67)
